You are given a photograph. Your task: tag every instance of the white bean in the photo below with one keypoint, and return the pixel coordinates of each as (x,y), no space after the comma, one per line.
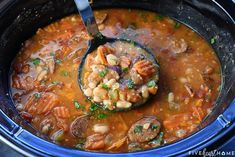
(171,97)
(88,92)
(92,85)
(97,99)
(123,104)
(107,103)
(110,83)
(116,85)
(112,59)
(42,75)
(100,128)
(99,92)
(19,107)
(97,68)
(144,91)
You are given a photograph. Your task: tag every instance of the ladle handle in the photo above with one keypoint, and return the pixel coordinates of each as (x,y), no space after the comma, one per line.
(88,18)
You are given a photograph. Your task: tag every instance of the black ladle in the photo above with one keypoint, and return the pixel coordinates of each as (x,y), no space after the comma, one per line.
(98,39)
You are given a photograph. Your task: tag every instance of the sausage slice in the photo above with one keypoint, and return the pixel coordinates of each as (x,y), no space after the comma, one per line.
(79,126)
(145,129)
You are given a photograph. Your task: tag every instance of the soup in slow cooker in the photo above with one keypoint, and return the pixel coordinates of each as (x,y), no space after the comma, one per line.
(45,89)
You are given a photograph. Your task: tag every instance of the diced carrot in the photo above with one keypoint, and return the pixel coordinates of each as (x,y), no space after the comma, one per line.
(41,104)
(198,113)
(46,102)
(63,124)
(64,35)
(66,50)
(89,61)
(101,55)
(117,144)
(61,112)
(199,102)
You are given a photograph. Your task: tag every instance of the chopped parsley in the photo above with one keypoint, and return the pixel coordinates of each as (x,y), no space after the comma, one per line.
(76,104)
(159,17)
(93,107)
(130,83)
(103,73)
(52,54)
(65,73)
(37,95)
(36,61)
(102,116)
(157,141)
(58,61)
(154,127)
(55,82)
(105,86)
(138,129)
(177,25)
(151,83)
(213,40)
(125,70)
(80,144)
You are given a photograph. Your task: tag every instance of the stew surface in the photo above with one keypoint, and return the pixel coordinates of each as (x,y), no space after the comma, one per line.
(46,91)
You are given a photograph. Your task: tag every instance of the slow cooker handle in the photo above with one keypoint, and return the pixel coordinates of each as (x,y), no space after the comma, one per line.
(7,125)
(228,115)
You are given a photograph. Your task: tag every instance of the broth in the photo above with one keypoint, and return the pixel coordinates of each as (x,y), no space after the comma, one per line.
(46,91)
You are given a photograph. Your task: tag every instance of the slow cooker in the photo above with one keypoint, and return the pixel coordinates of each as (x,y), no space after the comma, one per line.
(20,19)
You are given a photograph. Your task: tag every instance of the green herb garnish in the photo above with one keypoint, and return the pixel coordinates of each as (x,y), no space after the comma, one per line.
(213,40)
(55,82)
(37,95)
(58,61)
(102,116)
(157,142)
(125,70)
(159,17)
(130,83)
(151,83)
(154,127)
(76,104)
(105,86)
(36,61)
(64,73)
(138,129)
(80,144)
(177,25)
(103,73)
(93,107)
(52,54)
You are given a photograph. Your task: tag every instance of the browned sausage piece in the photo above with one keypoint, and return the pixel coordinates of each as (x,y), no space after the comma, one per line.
(79,126)
(144,129)
(95,142)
